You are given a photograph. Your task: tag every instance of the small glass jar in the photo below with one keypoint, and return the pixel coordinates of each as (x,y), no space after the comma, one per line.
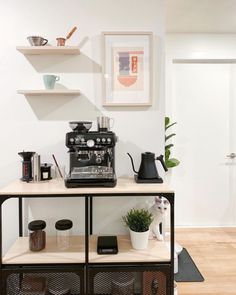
(37,235)
(63,227)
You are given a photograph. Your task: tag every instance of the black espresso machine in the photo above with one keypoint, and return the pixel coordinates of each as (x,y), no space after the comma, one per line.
(92,156)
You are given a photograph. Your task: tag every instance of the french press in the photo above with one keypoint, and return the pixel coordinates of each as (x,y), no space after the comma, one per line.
(26,165)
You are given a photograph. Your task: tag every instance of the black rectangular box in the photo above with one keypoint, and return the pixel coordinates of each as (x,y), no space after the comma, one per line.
(107,245)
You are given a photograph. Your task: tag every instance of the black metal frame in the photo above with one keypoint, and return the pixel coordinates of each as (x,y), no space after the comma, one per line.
(88,231)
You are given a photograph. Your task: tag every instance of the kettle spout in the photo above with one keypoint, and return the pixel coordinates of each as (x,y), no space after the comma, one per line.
(132,162)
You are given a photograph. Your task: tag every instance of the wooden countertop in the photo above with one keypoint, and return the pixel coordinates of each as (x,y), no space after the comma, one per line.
(57,187)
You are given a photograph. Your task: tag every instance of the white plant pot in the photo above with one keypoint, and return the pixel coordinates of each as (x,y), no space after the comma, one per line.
(139,240)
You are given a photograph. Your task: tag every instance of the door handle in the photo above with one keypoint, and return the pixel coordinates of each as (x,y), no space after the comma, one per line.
(231,156)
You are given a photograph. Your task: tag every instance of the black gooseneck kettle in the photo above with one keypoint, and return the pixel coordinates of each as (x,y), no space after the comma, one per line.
(148,171)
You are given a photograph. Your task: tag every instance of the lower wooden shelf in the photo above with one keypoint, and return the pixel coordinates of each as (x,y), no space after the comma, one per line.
(156,252)
(19,253)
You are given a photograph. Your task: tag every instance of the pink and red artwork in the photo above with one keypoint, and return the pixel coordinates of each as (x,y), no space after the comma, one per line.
(128,69)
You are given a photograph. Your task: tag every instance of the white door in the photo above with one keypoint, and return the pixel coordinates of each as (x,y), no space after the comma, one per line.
(203,104)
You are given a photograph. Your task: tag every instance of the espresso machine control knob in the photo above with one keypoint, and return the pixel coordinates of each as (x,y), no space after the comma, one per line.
(103,140)
(72,140)
(77,140)
(98,140)
(108,140)
(90,143)
(82,140)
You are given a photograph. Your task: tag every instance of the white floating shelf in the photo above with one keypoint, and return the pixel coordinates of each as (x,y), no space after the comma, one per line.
(49,92)
(49,50)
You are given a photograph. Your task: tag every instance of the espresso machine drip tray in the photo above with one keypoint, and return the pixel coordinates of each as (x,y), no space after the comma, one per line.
(92,172)
(91,176)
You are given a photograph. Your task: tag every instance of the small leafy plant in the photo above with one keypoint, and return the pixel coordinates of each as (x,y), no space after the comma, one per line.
(138,220)
(170,162)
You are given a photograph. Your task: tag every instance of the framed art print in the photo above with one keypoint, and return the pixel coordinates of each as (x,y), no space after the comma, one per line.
(127,68)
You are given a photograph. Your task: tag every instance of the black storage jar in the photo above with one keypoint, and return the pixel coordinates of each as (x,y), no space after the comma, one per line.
(37,235)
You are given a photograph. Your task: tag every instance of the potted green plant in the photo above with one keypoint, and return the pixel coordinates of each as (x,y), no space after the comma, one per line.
(138,221)
(169,161)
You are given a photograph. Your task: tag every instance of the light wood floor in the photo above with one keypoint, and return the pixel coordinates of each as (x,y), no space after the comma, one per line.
(214,252)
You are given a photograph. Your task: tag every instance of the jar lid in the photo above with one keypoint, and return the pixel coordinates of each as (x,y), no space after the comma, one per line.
(63,224)
(37,225)
(46,165)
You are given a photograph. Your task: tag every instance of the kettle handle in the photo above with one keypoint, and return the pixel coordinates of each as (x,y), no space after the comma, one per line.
(161,159)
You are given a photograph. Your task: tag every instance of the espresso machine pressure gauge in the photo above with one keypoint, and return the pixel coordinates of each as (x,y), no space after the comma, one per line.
(90,143)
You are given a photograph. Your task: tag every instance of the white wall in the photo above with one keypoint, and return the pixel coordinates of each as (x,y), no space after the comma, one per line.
(40,123)
(200,95)
(205,16)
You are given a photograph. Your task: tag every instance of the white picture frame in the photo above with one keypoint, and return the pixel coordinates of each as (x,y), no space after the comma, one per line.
(127,68)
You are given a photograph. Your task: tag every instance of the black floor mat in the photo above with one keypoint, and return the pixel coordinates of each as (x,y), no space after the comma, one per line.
(188,271)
